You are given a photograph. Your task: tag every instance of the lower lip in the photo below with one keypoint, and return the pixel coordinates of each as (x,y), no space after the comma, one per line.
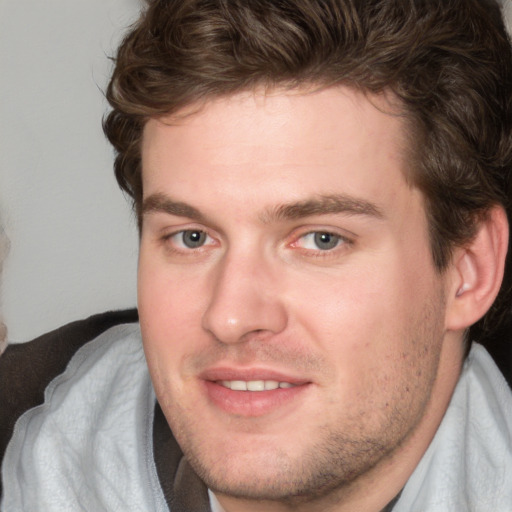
(252,403)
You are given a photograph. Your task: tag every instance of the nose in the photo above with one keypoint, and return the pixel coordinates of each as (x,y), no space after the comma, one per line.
(244,300)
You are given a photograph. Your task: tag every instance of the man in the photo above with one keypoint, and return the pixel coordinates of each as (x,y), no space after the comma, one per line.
(322,195)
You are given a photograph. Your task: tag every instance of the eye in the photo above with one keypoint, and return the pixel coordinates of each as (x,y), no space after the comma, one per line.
(190,239)
(320,240)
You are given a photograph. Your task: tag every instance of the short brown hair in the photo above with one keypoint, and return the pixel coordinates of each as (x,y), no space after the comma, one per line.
(448,61)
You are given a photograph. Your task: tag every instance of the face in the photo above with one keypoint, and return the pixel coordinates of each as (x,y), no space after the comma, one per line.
(291,315)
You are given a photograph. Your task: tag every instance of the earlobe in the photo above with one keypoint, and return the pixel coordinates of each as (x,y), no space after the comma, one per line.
(478,272)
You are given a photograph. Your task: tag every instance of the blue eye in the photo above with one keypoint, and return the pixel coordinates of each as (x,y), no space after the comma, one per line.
(193,239)
(320,240)
(190,239)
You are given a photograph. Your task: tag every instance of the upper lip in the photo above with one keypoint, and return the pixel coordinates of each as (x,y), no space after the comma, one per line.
(250,374)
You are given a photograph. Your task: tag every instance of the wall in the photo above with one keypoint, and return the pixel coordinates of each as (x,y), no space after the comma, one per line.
(73,238)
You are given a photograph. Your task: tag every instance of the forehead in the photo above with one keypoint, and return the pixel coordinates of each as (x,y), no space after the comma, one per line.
(286,143)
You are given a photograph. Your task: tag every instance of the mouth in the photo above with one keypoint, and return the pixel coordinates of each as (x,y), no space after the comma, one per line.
(255,385)
(245,393)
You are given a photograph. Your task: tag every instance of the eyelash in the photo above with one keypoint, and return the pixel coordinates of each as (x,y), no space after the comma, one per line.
(168,238)
(315,237)
(341,241)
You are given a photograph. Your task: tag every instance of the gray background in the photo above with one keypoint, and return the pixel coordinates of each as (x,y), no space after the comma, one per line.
(73,238)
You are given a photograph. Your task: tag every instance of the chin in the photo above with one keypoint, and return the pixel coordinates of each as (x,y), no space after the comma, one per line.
(267,472)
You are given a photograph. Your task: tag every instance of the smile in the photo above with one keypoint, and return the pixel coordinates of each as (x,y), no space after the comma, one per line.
(254,385)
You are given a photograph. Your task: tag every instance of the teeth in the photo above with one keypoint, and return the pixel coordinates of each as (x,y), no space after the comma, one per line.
(238,385)
(255,385)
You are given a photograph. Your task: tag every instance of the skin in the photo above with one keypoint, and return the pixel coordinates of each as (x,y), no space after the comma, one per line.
(358,318)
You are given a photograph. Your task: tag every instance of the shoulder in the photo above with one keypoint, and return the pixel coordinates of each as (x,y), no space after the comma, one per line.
(468,465)
(490,395)
(26,369)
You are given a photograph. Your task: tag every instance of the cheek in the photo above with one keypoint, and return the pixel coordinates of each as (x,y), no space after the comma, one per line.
(343,308)
(363,319)
(344,319)
(167,298)
(169,312)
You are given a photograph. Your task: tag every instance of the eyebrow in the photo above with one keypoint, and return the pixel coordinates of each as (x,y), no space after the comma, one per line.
(320,205)
(160,203)
(324,205)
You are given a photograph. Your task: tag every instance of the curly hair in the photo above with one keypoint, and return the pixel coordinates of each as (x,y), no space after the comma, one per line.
(448,62)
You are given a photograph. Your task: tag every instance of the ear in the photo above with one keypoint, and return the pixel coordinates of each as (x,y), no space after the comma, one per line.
(477,272)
